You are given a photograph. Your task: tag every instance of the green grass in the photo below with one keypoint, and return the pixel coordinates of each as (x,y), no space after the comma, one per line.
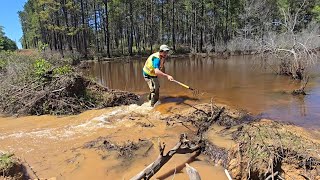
(6,162)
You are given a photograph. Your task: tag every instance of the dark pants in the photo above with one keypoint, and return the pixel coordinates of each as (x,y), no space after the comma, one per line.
(154,86)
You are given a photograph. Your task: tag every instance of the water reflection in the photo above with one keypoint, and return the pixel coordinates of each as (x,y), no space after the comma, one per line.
(246,82)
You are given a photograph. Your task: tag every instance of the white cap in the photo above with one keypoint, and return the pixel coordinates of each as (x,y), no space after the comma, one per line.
(164,48)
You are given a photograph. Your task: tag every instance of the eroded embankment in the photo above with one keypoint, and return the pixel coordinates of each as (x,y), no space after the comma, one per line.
(120,142)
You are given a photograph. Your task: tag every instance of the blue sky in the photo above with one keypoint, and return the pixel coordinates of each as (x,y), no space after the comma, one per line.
(9,18)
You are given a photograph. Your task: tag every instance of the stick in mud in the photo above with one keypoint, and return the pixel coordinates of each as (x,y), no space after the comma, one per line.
(192,173)
(184,146)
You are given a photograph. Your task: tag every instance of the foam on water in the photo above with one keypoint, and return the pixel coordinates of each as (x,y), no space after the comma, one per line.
(87,127)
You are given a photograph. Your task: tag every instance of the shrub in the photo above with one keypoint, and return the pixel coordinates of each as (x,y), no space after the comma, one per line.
(66,69)
(6,162)
(3,63)
(41,67)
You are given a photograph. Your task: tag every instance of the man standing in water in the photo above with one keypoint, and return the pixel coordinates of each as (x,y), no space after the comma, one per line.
(152,69)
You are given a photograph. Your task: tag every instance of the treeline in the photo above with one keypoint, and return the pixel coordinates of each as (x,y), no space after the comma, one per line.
(6,43)
(127,27)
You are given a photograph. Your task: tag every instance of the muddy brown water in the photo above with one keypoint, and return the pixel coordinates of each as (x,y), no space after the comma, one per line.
(244,82)
(53,147)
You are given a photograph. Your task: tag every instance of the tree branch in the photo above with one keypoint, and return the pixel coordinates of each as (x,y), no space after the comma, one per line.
(184,146)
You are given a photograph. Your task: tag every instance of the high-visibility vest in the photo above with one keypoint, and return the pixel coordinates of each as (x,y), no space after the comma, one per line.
(148,66)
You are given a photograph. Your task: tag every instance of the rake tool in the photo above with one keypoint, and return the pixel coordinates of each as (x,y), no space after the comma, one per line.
(195,92)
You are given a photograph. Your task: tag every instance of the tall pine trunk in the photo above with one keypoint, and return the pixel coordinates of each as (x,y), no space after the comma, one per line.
(173,27)
(131,28)
(96,27)
(84,34)
(107,28)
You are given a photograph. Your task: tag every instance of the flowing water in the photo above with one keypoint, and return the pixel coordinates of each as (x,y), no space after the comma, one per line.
(244,82)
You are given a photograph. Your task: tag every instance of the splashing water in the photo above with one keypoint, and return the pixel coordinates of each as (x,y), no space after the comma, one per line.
(112,119)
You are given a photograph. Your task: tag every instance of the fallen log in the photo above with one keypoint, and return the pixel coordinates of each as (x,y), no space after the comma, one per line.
(184,146)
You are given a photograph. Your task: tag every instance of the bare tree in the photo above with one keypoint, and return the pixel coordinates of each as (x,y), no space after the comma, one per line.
(293,51)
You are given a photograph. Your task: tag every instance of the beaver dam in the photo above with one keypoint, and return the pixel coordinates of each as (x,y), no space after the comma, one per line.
(243,82)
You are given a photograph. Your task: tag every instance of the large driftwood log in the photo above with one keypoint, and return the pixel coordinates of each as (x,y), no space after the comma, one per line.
(184,146)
